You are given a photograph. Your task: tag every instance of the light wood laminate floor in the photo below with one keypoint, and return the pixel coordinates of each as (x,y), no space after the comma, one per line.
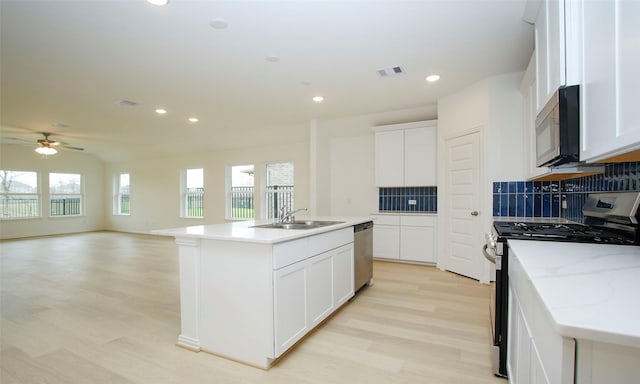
(104,308)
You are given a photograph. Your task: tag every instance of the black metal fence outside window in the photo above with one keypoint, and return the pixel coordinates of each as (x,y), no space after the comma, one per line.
(278,196)
(194,202)
(66,206)
(242,204)
(12,207)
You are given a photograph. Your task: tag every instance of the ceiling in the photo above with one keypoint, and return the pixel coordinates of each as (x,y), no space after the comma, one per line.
(66,64)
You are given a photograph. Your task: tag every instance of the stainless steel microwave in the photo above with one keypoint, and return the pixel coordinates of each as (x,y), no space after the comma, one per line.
(558,129)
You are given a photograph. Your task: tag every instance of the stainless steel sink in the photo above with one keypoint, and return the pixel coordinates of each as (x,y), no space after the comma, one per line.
(310,224)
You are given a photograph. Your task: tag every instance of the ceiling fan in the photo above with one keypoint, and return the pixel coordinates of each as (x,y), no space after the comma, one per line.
(48,147)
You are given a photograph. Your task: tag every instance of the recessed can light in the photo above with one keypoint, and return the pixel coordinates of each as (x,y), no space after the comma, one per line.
(318,99)
(193,119)
(158,2)
(273,58)
(161,111)
(432,78)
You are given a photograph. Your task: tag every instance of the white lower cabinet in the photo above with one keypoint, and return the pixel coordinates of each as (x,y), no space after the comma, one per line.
(404,237)
(308,291)
(536,353)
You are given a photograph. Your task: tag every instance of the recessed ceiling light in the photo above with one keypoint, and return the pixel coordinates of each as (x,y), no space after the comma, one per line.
(193,119)
(218,23)
(158,2)
(161,111)
(273,58)
(432,78)
(318,99)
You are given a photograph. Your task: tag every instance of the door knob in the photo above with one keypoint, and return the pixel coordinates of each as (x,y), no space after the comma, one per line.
(474,213)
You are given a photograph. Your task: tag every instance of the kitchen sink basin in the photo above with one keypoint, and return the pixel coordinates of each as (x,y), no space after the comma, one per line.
(310,224)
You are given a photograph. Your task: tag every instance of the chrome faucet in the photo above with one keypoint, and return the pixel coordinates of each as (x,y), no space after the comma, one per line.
(288,216)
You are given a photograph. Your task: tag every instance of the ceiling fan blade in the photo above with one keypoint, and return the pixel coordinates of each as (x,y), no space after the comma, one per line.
(71,147)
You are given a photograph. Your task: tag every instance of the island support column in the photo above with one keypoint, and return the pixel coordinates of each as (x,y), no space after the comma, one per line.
(189,261)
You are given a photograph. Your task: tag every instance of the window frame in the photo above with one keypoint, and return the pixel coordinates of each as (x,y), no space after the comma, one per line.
(118,195)
(185,194)
(80,195)
(268,192)
(229,194)
(37,194)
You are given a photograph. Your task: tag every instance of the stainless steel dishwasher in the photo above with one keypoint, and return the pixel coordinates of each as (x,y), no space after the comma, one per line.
(363,254)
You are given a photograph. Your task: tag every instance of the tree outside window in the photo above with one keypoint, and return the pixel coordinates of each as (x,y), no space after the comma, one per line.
(19,194)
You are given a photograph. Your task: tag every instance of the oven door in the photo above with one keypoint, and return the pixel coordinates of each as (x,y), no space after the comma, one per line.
(493,251)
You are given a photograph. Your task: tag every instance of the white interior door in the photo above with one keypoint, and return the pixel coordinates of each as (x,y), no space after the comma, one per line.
(462,198)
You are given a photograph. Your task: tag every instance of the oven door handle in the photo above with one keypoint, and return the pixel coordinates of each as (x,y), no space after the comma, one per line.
(487,255)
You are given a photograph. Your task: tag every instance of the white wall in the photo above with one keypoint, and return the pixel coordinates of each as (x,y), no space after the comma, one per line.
(343,160)
(494,106)
(23,158)
(155,185)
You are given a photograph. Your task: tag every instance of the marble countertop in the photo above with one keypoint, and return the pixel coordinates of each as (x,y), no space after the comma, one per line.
(242,231)
(589,290)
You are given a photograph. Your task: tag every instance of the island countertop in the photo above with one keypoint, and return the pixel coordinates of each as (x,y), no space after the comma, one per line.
(242,231)
(590,291)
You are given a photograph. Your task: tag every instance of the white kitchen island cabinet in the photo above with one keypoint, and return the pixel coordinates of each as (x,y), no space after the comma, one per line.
(250,294)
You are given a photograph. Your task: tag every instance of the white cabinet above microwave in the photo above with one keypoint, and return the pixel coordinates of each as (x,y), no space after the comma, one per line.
(405,154)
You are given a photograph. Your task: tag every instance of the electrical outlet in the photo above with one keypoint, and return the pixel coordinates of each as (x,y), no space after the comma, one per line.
(413,202)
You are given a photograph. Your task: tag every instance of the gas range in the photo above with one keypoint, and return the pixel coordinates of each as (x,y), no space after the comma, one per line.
(610,218)
(572,232)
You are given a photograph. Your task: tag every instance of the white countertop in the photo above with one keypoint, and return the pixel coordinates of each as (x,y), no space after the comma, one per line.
(242,231)
(591,291)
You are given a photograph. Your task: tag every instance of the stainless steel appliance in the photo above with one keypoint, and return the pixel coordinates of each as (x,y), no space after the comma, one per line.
(558,129)
(610,218)
(363,254)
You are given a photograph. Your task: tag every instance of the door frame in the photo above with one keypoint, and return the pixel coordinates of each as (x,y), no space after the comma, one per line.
(444,201)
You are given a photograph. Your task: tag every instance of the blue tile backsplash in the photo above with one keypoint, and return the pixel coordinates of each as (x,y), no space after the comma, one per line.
(397,199)
(545,198)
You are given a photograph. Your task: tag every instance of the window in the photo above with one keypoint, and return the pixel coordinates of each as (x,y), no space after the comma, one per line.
(279,189)
(193,193)
(121,205)
(20,195)
(240,197)
(65,194)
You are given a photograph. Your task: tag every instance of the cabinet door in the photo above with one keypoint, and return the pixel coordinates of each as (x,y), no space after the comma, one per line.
(420,157)
(389,158)
(320,287)
(386,241)
(290,305)
(538,375)
(550,50)
(610,83)
(343,274)
(416,244)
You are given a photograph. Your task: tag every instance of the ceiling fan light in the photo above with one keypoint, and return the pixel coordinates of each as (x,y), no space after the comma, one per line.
(46,151)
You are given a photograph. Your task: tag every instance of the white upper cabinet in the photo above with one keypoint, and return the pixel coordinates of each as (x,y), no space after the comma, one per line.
(405,154)
(529,100)
(610,79)
(550,50)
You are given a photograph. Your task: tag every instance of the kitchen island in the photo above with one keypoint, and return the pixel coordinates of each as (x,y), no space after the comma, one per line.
(574,312)
(250,293)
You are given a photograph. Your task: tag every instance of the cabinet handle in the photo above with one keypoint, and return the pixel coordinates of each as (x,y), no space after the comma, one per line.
(474,213)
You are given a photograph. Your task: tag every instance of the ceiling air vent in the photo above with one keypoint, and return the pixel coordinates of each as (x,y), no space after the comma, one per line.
(391,71)
(126,103)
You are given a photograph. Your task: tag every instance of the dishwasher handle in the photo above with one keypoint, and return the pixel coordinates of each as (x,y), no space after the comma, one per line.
(363,226)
